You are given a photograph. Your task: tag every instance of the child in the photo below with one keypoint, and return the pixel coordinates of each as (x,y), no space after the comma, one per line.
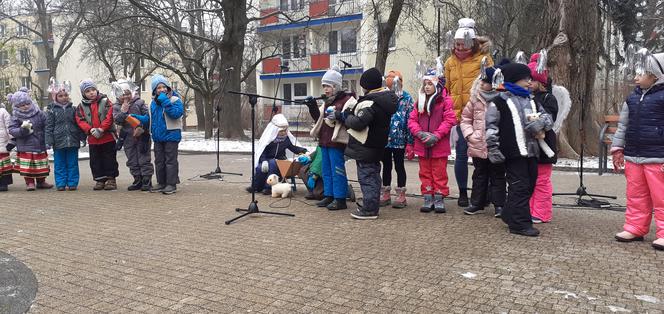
(272,146)
(332,138)
(541,202)
(27,127)
(165,122)
(638,146)
(512,132)
(63,134)
(486,176)
(94,117)
(136,141)
(431,124)
(6,167)
(399,143)
(368,123)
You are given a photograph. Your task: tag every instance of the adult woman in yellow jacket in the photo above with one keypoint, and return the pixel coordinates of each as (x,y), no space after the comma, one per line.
(461,70)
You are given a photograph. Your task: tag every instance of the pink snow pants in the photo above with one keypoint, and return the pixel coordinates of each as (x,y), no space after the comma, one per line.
(645,192)
(541,202)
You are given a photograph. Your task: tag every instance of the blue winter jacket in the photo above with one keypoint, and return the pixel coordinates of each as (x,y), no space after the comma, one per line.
(399,134)
(164,105)
(644,136)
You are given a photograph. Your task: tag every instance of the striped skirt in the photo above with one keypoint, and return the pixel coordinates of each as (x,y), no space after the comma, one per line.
(32,165)
(6,167)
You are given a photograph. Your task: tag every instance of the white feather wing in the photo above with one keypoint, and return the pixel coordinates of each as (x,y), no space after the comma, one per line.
(564,106)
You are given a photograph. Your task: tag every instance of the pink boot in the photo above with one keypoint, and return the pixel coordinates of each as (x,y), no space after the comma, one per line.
(400,201)
(385,198)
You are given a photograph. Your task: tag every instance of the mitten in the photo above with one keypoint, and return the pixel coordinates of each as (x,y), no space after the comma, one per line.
(495,156)
(10,146)
(431,140)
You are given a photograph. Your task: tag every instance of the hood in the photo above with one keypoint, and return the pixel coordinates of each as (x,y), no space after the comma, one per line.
(385,99)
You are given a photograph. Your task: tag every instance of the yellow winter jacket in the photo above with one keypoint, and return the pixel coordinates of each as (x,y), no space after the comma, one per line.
(459,78)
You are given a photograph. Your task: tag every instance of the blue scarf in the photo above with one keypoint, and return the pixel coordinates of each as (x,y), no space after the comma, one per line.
(516,89)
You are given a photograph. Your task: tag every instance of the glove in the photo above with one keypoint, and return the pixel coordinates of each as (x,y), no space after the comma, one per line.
(410,152)
(96,132)
(310,101)
(303,160)
(495,156)
(330,113)
(618,160)
(431,140)
(10,146)
(27,125)
(84,143)
(265,166)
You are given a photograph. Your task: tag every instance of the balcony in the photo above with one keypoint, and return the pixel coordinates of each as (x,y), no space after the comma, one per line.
(309,13)
(312,65)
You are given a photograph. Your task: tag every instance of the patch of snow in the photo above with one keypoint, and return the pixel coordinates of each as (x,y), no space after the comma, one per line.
(567,294)
(469,275)
(647,298)
(615,309)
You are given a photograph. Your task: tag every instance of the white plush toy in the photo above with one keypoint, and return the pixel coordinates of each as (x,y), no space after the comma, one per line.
(278,189)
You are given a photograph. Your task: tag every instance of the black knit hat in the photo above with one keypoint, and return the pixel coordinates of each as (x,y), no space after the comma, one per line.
(514,72)
(373,79)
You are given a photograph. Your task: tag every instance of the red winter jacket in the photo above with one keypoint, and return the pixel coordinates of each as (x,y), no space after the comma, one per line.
(106,124)
(439,122)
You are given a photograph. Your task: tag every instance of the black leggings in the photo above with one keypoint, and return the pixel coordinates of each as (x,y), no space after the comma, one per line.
(397,154)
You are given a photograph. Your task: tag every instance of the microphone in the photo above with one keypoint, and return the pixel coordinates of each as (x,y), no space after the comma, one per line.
(346,64)
(229,69)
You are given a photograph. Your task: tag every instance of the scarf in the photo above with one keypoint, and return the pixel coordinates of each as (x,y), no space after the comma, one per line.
(280,139)
(516,89)
(26,115)
(462,55)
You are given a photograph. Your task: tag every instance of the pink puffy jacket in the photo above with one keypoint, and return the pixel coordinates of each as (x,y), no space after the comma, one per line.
(473,123)
(439,122)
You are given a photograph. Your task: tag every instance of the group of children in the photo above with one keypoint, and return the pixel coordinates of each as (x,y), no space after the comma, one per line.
(104,126)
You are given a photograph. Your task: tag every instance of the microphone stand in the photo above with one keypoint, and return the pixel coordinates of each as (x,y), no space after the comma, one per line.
(276,90)
(253,206)
(217,174)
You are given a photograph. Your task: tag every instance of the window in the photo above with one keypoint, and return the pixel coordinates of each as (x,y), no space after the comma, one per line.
(22,30)
(2,31)
(294,46)
(142,60)
(333,39)
(4,57)
(287,92)
(283,5)
(348,40)
(25,81)
(175,86)
(300,90)
(393,39)
(24,56)
(297,5)
(143,88)
(332,8)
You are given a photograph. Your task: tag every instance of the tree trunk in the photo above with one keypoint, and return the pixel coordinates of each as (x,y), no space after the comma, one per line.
(232,50)
(200,111)
(385,32)
(573,64)
(209,114)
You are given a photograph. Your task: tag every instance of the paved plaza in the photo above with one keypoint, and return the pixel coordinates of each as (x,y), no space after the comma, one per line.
(119,251)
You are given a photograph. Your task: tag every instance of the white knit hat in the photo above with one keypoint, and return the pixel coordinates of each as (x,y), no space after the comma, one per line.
(332,77)
(466,26)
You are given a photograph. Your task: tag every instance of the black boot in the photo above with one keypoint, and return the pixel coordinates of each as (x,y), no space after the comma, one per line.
(326,201)
(136,185)
(337,204)
(146,184)
(463,198)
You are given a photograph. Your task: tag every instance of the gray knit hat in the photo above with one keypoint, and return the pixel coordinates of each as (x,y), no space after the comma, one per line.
(332,77)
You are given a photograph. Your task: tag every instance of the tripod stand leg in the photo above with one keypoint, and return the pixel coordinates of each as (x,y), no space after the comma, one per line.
(275,213)
(602,196)
(228,222)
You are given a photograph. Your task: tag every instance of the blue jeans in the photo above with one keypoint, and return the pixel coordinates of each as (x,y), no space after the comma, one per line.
(335,182)
(66,167)
(461,162)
